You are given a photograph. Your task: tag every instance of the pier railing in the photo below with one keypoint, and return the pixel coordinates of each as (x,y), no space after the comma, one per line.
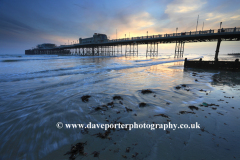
(223,30)
(159,36)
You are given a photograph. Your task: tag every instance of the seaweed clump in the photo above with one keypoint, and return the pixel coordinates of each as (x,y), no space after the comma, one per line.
(101,108)
(95,154)
(183,112)
(103,135)
(128,109)
(142,104)
(75,150)
(146,91)
(85,98)
(117,97)
(193,107)
(111,104)
(178,87)
(163,115)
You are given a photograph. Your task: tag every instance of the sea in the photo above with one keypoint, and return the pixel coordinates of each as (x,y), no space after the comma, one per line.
(41,94)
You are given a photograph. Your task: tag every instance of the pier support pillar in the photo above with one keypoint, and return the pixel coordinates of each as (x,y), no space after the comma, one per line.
(217,49)
(131,49)
(152,49)
(179,49)
(93,51)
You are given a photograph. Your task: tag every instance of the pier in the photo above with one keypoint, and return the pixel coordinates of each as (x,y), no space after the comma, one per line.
(114,47)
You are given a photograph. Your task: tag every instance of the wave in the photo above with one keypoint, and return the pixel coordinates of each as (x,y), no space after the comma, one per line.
(106,69)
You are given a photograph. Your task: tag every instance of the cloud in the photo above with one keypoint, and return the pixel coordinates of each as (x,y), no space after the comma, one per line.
(184,6)
(236,17)
(31,22)
(217,16)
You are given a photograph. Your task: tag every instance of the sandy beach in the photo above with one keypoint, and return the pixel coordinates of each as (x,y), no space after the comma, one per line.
(155,92)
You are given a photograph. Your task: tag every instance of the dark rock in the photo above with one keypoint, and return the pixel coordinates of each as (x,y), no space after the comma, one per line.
(184,85)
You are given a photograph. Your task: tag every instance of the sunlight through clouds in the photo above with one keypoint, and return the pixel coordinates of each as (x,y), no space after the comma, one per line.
(28,25)
(184,6)
(141,20)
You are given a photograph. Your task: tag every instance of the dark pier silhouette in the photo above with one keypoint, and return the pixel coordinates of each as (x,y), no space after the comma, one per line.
(99,45)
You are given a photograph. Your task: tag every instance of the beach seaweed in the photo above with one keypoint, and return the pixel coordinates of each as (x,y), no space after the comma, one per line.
(193,107)
(163,115)
(85,98)
(128,109)
(117,97)
(75,150)
(146,91)
(142,104)
(184,112)
(178,87)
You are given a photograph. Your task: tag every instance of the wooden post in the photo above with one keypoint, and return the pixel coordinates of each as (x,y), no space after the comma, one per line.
(217,49)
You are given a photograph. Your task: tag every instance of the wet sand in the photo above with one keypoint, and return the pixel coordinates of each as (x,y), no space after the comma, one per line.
(218,116)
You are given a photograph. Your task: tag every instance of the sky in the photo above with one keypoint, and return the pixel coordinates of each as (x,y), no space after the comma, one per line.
(26,23)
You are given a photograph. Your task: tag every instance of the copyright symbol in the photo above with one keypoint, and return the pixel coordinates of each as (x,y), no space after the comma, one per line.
(59,125)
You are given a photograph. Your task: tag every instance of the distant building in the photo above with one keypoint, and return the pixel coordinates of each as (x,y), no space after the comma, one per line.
(97,38)
(46,46)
